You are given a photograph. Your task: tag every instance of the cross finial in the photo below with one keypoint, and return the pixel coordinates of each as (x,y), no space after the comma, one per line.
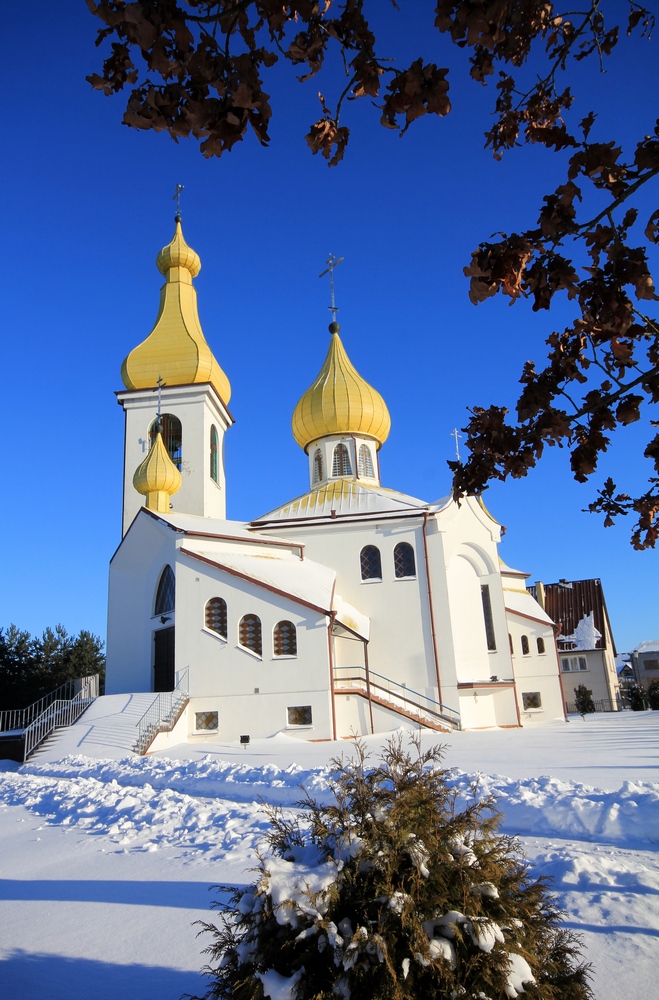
(454,434)
(159,386)
(177,198)
(331,262)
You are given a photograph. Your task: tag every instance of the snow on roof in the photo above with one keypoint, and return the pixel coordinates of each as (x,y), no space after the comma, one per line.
(649,646)
(343,496)
(351,618)
(509,571)
(195,524)
(520,602)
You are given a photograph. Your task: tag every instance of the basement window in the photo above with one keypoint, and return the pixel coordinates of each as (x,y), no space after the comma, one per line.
(206,722)
(532,701)
(299,715)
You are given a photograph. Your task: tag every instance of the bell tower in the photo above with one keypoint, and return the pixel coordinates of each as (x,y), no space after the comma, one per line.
(189,415)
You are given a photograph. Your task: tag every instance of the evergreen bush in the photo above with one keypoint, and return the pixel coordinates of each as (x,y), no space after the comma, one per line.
(653,694)
(392,892)
(637,699)
(584,700)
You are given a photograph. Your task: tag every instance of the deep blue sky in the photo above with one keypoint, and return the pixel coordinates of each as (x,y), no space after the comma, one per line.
(87,206)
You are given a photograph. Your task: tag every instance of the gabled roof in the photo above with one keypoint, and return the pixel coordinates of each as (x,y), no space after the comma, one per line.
(343,496)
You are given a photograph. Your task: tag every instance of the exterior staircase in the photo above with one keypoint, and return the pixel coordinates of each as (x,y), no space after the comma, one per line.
(162,714)
(22,731)
(395,697)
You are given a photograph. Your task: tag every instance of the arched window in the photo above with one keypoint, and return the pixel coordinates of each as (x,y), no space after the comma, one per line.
(365,464)
(214,462)
(404,564)
(285,639)
(318,475)
(172,436)
(541,644)
(249,633)
(215,617)
(341,461)
(488,619)
(525,645)
(165,592)
(510,643)
(371,564)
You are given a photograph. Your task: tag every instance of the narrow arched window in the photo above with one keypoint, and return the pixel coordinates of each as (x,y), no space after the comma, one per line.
(285,639)
(404,564)
(510,643)
(318,475)
(215,617)
(341,461)
(165,592)
(172,436)
(541,644)
(249,633)
(525,645)
(214,462)
(371,564)
(365,464)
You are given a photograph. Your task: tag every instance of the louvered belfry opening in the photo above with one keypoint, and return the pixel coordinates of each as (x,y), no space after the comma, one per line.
(249,633)
(371,564)
(165,595)
(341,461)
(404,564)
(318,474)
(216,616)
(172,437)
(285,639)
(365,464)
(213,455)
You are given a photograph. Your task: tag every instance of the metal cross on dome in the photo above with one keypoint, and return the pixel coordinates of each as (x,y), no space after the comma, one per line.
(159,384)
(454,434)
(177,198)
(332,262)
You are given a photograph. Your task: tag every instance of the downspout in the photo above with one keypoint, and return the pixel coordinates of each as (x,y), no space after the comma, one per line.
(430,606)
(512,668)
(331,668)
(557,632)
(368,685)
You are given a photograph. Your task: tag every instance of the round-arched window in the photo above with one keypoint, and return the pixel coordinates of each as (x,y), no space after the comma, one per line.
(214,457)
(341,461)
(215,616)
(370,562)
(249,633)
(166,592)
(404,564)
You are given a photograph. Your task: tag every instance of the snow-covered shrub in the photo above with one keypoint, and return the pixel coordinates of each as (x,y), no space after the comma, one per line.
(389,893)
(637,698)
(583,699)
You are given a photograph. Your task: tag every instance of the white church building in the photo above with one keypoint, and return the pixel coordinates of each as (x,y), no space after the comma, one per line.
(351,609)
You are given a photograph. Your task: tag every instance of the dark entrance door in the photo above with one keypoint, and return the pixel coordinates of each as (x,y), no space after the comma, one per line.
(163,670)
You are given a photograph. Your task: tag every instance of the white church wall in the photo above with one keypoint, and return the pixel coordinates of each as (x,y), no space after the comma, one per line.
(536,672)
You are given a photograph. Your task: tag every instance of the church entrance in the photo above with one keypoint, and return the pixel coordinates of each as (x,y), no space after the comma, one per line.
(163,668)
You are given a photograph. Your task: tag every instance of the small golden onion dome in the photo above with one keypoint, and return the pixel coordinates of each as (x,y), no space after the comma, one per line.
(178,254)
(340,402)
(157,478)
(176,349)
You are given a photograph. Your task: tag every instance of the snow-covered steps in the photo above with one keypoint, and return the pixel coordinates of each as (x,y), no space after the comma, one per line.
(107,729)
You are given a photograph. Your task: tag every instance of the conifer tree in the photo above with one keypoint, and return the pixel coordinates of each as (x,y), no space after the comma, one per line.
(653,695)
(584,700)
(392,892)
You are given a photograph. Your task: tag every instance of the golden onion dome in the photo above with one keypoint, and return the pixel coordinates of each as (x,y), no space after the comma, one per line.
(176,349)
(157,478)
(340,402)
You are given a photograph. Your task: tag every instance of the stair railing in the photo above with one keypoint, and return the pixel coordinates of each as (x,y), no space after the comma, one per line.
(397,694)
(60,712)
(163,713)
(18,718)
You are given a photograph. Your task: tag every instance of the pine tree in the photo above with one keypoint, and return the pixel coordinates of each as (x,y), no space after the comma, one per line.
(653,695)
(584,700)
(637,698)
(392,892)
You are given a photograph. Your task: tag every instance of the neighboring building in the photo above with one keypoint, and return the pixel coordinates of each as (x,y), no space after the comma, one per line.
(353,608)
(645,662)
(585,640)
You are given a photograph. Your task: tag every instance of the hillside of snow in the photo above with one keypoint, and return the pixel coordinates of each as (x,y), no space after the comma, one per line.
(106,858)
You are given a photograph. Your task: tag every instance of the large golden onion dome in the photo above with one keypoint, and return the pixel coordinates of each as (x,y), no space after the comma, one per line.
(340,402)
(176,348)
(157,478)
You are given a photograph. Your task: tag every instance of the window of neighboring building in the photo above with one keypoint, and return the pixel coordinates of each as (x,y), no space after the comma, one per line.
(216,616)
(510,643)
(299,715)
(531,701)
(651,664)
(318,475)
(404,564)
(285,639)
(166,592)
(540,642)
(172,436)
(525,645)
(206,722)
(249,633)
(573,663)
(371,564)
(365,463)
(341,461)
(487,615)
(214,461)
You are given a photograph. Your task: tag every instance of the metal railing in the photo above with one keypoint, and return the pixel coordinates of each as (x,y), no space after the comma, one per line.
(163,713)
(601,705)
(60,712)
(396,694)
(18,718)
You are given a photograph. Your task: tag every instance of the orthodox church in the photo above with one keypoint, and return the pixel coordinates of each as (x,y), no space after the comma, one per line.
(351,609)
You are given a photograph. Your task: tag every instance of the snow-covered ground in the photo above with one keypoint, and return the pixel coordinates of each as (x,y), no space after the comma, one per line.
(106,859)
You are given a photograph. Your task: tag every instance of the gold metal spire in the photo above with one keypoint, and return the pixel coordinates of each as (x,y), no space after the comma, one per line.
(157,478)
(176,349)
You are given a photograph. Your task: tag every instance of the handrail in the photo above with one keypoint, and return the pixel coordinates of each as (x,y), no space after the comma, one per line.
(396,690)
(60,712)
(162,714)
(18,718)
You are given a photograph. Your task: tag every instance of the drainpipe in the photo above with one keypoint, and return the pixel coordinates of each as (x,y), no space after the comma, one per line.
(331,668)
(430,606)
(368,685)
